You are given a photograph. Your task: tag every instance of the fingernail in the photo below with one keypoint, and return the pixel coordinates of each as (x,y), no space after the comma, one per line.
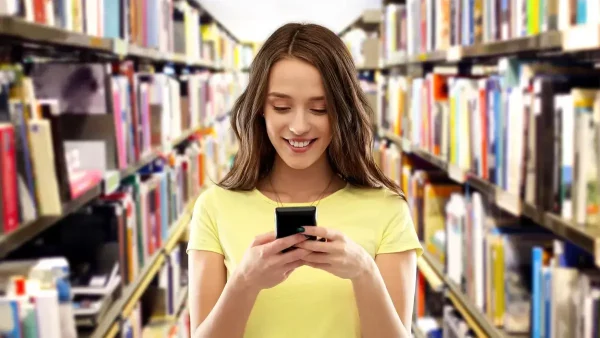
(300,229)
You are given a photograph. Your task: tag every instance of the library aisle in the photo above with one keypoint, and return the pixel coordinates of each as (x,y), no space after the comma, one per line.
(114,118)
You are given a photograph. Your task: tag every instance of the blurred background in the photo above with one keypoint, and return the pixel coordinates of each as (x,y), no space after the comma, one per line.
(114,117)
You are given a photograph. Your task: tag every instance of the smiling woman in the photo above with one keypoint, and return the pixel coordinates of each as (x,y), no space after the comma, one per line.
(305,140)
(296,114)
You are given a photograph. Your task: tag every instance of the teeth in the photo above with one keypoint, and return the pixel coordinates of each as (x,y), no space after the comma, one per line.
(296,144)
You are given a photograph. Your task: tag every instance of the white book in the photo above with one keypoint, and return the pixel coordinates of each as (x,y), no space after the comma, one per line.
(478,253)
(515,133)
(8,7)
(47,313)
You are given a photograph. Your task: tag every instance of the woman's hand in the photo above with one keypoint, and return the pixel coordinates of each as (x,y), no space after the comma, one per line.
(336,253)
(264,266)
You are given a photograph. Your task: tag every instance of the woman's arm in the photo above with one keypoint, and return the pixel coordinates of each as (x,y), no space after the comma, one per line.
(384,295)
(217,308)
(221,307)
(384,312)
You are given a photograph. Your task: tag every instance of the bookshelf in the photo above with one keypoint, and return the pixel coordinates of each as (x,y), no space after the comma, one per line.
(361,37)
(497,108)
(588,238)
(159,89)
(27,232)
(131,295)
(483,326)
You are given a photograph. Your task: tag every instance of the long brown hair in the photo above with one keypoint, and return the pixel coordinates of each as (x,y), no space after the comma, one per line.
(350,151)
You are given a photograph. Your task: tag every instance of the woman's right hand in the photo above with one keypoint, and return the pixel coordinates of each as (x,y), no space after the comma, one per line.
(265,266)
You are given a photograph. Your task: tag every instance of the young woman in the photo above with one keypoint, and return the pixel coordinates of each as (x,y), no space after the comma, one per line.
(304,131)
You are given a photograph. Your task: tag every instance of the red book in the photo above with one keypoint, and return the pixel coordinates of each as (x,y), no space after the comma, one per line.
(8,179)
(39,11)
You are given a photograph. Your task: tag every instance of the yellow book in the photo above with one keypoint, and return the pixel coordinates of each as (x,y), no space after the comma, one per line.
(533,17)
(451,120)
(435,198)
(498,283)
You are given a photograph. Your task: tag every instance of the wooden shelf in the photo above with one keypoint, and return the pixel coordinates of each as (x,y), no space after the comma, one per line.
(26,232)
(37,34)
(474,317)
(432,270)
(417,332)
(543,42)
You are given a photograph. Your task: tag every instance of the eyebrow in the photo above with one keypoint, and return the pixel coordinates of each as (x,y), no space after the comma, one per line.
(285,96)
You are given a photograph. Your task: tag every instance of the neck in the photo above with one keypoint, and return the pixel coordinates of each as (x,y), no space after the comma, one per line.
(301,185)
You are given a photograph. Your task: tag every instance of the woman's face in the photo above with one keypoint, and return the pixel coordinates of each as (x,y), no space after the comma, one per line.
(296,113)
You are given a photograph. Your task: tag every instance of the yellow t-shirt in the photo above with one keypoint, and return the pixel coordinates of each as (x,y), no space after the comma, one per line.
(311,302)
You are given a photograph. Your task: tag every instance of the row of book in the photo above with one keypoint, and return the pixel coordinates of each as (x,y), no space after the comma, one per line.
(529,129)
(65,126)
(168,26)
(422,26)
(97,252)
(162,311)
(523,278)
(436,318)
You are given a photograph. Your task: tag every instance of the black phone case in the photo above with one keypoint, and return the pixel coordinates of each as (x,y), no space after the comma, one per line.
(289,219)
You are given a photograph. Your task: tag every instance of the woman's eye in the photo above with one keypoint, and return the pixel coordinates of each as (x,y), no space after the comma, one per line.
(319,111)
(281,108)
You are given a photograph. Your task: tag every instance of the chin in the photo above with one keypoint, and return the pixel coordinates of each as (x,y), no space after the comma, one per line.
(298,164)
(300,161)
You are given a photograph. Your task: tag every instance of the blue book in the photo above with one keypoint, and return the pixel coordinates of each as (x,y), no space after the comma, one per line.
(153,23)
(497,132)
(581,12)
(112,19)
(536,291)
(9,312)
(547,320)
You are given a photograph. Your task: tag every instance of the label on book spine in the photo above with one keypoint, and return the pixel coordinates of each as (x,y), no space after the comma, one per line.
(454,54)
(112,181)
(456,173)
(581,37)
(508,202)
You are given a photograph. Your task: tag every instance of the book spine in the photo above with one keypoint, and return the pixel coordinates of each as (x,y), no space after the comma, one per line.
(10,217)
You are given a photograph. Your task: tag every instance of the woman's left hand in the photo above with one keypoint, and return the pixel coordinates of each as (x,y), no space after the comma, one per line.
(338,255)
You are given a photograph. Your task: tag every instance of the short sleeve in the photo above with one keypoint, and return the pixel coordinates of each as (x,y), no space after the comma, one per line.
(203,228)
(400,235)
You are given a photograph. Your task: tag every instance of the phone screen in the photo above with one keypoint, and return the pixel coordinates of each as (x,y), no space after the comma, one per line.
(289,219)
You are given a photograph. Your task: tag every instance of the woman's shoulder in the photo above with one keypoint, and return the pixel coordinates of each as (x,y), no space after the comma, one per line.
(376,195)
(214,193)
(384,200)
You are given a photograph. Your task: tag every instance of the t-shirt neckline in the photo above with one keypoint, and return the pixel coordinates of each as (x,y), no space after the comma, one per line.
(291,204)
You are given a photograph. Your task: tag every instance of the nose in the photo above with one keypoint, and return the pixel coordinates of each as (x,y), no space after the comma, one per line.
(299,124)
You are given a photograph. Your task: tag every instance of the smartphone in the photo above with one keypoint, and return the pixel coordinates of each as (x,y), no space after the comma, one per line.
(289,219)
